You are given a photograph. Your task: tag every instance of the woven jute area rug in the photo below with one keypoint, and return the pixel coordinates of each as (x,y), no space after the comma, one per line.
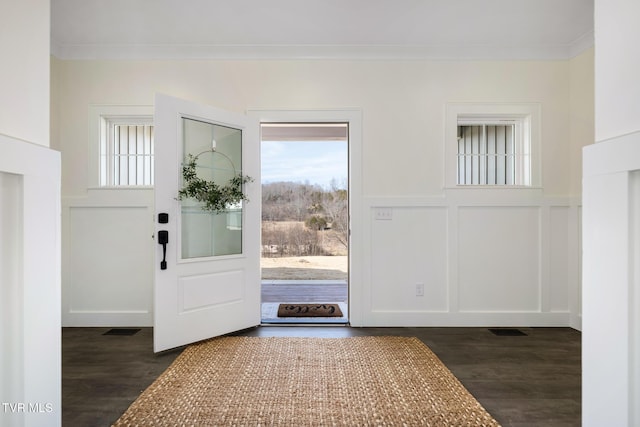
(360,381)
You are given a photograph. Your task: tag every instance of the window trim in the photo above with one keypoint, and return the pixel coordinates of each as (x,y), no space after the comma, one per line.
(98,114)
(528,113)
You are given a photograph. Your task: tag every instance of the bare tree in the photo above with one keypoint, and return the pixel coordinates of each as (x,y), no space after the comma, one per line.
(336,207)
(285,203)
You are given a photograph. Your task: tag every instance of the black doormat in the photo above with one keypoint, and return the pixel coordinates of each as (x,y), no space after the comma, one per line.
(309,310)
(122,331)
(507,332)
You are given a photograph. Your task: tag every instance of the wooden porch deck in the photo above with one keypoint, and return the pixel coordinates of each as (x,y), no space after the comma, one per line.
(305,291)
(275,292)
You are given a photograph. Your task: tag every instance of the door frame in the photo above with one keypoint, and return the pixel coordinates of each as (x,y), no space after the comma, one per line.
(352,116)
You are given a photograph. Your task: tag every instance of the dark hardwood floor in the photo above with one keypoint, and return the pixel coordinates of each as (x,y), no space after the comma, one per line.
(532,380)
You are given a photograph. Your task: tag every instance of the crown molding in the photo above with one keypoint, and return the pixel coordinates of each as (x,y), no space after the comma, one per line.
(582,44)
(317,52)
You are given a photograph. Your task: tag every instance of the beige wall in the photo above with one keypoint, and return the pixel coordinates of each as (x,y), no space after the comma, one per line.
(528,273)
(582,113)
(402,104)
(24,74)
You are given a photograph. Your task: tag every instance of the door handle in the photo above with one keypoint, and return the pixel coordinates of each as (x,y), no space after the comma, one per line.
(163,239)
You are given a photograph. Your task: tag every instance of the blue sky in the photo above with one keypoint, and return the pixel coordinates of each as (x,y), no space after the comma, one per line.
(315,162)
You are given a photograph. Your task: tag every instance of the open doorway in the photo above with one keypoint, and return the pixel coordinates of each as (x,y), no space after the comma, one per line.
(305,217)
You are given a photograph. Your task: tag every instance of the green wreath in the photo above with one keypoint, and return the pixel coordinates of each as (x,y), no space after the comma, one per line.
(215,198)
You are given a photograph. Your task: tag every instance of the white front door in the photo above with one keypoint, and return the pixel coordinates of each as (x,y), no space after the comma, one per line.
(209,282)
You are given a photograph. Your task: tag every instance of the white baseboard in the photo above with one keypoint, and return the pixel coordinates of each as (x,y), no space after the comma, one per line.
(425,319)
(107,319)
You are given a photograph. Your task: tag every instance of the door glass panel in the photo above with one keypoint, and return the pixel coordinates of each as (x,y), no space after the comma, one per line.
(204,233)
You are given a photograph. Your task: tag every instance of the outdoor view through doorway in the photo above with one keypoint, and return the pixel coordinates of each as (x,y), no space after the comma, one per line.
(305,211)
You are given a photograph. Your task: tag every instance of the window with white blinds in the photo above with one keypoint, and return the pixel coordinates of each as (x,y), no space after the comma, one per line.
(492,145)
(492,153)
(126,152)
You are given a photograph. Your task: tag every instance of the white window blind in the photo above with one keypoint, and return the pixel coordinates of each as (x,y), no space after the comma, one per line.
(486,154)
(491,153)
(126,152)
(492,145)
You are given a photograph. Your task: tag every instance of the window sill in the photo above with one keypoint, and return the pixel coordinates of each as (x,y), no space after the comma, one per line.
(123,187)
(493,187)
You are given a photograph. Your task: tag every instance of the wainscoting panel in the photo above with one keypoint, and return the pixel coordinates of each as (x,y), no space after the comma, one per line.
(558,277)
(498,259)
(483,257)
(108,254)
(409,258)
(575,304)
(502,259)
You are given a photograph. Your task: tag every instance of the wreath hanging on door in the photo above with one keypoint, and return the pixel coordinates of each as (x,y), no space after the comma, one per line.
(215,197)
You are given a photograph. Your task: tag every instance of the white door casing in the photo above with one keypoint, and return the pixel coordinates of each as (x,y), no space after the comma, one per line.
(358,298)
(209,287)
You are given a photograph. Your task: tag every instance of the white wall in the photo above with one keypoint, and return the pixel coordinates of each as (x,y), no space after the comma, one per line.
(611,343)
(11,299)
(24,74)
(29,223)
(403,105)
(617,63)
(30,284)
(611,340)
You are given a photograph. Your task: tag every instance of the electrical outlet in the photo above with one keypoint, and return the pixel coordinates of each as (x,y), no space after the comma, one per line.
(383,213)
(419,289)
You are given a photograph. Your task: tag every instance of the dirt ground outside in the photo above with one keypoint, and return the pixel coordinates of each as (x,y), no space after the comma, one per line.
(305,268)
